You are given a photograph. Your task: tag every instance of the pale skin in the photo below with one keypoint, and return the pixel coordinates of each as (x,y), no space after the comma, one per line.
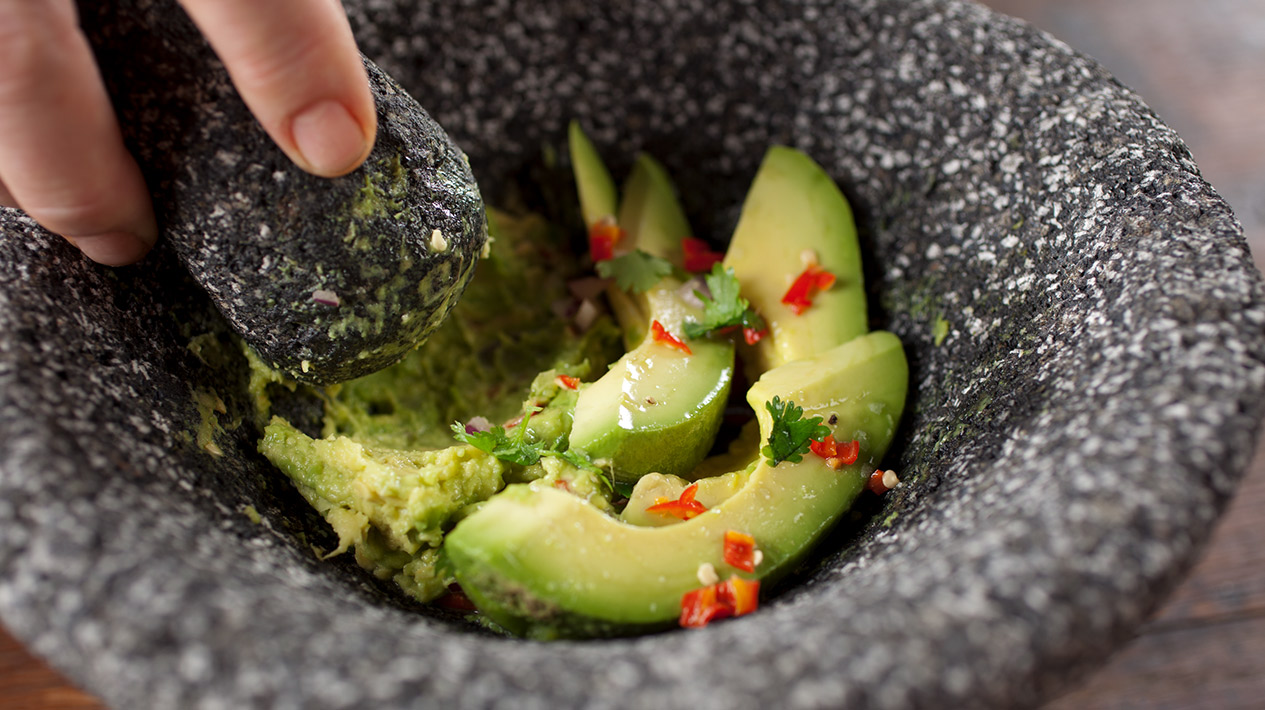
(62,158)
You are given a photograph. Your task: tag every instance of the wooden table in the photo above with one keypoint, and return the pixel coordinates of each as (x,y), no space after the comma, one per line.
(1201,65)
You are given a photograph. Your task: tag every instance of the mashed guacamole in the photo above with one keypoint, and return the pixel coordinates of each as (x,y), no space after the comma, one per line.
(384,470)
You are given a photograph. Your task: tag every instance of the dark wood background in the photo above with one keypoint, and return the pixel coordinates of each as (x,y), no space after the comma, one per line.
(1201,65)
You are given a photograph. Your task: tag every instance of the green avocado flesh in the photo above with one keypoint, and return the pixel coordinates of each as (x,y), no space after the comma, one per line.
(658,408)
(543,564)
(385,471)
(793,215)
(593,182)
(653,222)
(491,456)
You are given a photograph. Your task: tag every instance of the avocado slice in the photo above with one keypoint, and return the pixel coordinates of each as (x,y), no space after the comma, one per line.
(657,409)
(655,223)
(593,181)
(795,213)
(544,564)
(651,213)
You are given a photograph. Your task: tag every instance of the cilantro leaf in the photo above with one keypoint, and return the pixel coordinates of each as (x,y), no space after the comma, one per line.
(791,433)
(497,442)
(580,460)
(636,271)
(725,307)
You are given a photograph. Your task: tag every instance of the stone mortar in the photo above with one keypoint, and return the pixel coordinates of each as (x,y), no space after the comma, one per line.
(1085,328)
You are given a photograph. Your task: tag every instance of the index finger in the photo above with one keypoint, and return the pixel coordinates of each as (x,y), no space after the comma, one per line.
(296,66)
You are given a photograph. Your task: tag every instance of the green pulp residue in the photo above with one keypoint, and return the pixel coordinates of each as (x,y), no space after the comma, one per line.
(209,406)
(386,474)
(384,192)
(939,330)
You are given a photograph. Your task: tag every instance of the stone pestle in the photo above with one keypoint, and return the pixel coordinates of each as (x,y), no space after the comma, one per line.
(327,279)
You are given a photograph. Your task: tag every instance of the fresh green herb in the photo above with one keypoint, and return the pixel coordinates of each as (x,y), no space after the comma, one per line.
(636,271)
(516,449)
(499,443)
(578,459)
(791,433)
(581,461)
(725,308)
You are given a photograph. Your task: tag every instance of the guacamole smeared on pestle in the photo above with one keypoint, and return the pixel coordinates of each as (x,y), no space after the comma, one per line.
(386,473)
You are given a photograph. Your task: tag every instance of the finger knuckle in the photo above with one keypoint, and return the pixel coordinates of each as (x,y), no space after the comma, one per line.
(278,66)
(78,212)
(31,35)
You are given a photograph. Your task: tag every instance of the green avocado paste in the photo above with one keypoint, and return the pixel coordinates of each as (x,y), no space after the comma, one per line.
(385,472)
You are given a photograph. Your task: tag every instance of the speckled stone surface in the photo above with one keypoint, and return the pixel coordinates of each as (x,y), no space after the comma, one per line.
(1084,324)
(327,279)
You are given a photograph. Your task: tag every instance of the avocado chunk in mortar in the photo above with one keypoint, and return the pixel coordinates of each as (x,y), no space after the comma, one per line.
(382,467)
(543,564)
(795,216)
(406,498)
(659,407)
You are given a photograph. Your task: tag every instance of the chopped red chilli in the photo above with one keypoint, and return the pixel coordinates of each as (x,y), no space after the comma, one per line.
(882,481)
(733,597)
(663,337)
(836,453)
(604,235)
(813,279)
(740,550)
(699,607)
(698,258)
(753,336)
(568,381)
(455,600)
(684,507)
(742,595)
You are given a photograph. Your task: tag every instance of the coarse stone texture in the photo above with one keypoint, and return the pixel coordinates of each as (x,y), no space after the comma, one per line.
(1085,329)
(327,279)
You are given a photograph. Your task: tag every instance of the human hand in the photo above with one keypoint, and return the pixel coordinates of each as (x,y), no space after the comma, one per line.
(62,157)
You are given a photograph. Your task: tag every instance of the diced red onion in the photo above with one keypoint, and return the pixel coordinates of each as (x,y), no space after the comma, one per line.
(478,424)
(686,292)
(325,298)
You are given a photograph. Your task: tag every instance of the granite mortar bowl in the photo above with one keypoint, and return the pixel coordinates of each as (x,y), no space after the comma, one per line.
(1085,328)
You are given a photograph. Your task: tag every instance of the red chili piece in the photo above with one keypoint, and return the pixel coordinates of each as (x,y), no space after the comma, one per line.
(742,595)
(753,336)
(455,599)
(699,607)
(698,258)
(663,337)
(734,597)
(740,550)
(604,235)
(568,381)
(824,448)
(836,453)
(684,507)
(875,484)
(813,279)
